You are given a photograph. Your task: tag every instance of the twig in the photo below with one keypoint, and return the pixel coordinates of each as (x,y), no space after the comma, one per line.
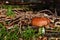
(46,10)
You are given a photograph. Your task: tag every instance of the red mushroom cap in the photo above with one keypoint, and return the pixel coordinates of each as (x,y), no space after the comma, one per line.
(40,21)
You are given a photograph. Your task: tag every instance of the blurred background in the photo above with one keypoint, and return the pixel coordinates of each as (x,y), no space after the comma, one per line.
(37,4)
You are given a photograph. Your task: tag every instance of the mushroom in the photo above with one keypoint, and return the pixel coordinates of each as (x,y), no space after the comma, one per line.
(41,21)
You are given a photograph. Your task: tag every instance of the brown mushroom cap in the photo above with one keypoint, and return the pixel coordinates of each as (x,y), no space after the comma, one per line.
(40,21)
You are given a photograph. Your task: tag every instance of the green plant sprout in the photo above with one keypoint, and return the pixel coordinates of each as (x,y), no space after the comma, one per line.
(28,33)
(10,12)
(10,34)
